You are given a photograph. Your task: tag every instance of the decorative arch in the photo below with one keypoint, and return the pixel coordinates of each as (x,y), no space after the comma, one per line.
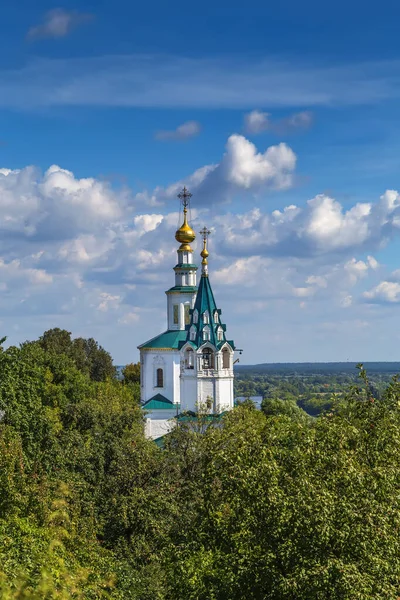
(189,358)
(216,316)
(195,315)
(226,358)
(206,317)
(220,334)
(206,333)
(208,358)
(192,333)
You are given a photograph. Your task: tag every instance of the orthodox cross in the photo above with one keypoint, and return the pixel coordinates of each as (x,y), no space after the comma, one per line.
(185,196)
(205,233)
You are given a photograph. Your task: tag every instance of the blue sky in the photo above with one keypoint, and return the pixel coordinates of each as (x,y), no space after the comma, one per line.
(284,122)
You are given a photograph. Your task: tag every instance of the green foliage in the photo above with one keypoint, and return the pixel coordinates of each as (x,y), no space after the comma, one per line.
(278,407)
(270,504)
(131,373)
(87,355)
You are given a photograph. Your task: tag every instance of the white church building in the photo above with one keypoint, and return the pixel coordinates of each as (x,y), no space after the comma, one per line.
(190,365)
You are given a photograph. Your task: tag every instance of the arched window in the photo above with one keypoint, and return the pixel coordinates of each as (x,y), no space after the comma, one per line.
(206,334)
(192,333)
(208,358)
(216,316)
(226,359)
(206,317)
(220,334)
(195,316)
(189,360)
(160,378)
(187,314)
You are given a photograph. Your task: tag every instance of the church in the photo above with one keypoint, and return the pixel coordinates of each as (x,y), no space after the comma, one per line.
(190,365)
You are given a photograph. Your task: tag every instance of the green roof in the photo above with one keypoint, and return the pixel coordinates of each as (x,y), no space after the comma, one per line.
(183,288)
(185,266)
(205,302)
(160,402)
(159,441)
(168,339)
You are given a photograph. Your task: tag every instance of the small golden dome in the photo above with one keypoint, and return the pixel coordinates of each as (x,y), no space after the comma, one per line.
(185,234)
(204,253)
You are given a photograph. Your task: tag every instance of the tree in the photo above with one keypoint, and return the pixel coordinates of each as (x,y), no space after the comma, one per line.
(293,511)
(131,373)
(88,356)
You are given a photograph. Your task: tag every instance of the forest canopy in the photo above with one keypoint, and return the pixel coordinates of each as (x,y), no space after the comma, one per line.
(273,504)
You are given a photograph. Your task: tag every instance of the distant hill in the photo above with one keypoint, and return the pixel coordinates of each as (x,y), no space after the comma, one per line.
(318,368)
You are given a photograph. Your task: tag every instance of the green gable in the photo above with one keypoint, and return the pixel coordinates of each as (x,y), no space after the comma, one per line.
(205,301)
(160,402)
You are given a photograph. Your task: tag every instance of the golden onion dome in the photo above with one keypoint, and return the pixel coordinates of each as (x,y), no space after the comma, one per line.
(185,234)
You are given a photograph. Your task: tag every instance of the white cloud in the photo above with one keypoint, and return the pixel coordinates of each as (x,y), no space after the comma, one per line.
(256,121)
(385,291)
(74,252)
(56,203)
(320,227)
(187,130)
(86,248)
(246,168)
(108,301)
(58,23)
(241,168)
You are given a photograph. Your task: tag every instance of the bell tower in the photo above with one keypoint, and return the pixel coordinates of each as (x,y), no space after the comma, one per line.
(180,298)
(207,355)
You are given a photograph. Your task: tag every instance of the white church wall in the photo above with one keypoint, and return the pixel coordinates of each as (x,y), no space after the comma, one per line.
(159,423)
(180,299)
(168,361)
(224,394)
(188,391)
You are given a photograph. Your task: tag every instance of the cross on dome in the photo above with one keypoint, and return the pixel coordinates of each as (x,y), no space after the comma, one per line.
(185,196)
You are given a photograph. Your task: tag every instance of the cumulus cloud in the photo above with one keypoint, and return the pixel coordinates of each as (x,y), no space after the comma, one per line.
(242,168)
(58,23)
(55,205)
(384,292)
(77,249)
(320,227)
(257,121)
(187,130)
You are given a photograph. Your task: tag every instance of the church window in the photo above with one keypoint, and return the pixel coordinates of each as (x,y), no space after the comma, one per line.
(192,334)
(220,334)
(176,314)
(215,316)
(206,317)
(160,378)
(195,316)
(189,361)
(206,334)
(187,314)
(208,358)
(226,359)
